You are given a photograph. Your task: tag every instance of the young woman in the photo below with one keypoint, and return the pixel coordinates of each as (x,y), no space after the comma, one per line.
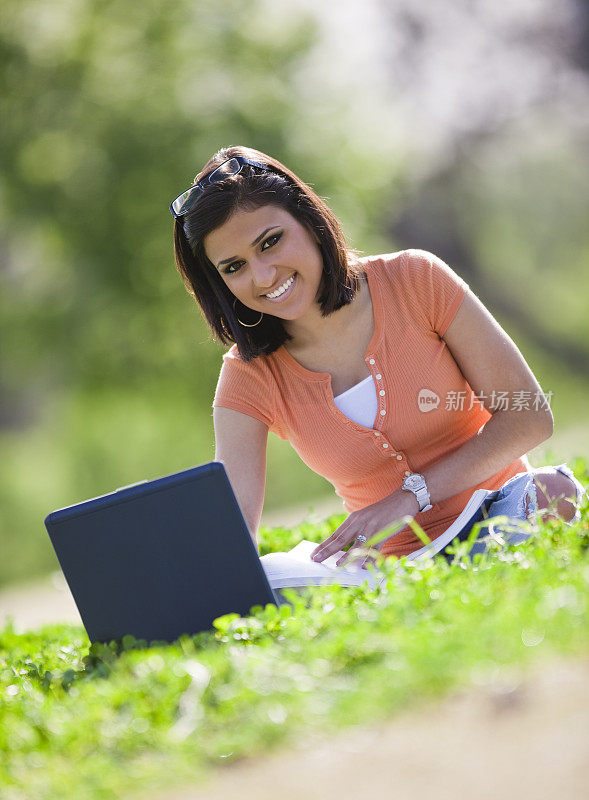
(386,373)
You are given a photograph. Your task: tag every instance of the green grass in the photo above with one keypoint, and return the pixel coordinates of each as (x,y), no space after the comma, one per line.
(85,723)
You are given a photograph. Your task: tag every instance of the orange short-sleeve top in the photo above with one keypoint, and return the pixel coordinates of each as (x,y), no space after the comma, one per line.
(425,408)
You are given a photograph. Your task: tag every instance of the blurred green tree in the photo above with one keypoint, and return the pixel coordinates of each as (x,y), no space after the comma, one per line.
(109,110)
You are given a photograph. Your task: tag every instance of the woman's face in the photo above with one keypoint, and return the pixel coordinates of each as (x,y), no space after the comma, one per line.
(260,252)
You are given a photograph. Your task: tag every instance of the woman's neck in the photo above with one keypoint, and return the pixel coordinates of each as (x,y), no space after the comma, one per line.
(313,330)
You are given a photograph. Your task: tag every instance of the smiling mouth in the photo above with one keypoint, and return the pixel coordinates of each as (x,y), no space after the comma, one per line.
(283,290)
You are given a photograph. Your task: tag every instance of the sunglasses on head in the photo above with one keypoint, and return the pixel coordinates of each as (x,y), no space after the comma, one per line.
(232,166)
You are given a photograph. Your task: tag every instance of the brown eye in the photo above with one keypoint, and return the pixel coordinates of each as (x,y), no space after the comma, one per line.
(271,241)
(229,268)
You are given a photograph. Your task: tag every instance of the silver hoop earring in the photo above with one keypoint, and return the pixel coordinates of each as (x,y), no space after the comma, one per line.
(247,324)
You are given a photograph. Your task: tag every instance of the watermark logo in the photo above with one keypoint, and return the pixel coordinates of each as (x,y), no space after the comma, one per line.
(427,400)
(517,400)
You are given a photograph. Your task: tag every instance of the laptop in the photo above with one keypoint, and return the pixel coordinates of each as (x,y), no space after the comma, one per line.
(160,558)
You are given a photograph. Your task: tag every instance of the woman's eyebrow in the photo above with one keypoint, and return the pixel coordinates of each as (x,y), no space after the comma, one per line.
(253,244)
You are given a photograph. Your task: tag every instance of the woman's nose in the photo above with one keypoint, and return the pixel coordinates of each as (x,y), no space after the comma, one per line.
(263,275)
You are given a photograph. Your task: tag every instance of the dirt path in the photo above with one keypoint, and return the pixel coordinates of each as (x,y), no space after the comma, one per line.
(522,736)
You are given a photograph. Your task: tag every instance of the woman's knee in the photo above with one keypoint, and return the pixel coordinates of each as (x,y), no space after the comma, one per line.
(557,492)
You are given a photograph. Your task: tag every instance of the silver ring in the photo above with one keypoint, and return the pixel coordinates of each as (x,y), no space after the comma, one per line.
(362,539)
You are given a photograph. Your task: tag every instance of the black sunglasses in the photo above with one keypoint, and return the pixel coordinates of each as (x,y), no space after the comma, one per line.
(233,166)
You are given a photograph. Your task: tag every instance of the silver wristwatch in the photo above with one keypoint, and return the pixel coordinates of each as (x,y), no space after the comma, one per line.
(416,483)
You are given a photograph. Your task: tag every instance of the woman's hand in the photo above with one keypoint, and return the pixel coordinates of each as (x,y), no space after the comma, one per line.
(368,522)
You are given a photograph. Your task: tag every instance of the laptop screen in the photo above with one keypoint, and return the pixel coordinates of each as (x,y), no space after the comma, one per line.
(160,558)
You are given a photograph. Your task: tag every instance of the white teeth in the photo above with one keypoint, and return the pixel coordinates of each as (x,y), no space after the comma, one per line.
(281,289)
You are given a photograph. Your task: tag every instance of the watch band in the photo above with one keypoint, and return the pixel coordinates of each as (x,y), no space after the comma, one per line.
(416,483)
(423,499)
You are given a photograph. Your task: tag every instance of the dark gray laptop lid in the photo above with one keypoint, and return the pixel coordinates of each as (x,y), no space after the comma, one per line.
(159,558)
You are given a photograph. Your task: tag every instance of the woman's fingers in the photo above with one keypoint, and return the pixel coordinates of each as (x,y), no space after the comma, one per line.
(338,539)
(327,549)
(349,557)
(365,522)
(370,559)
(359,555)
(336,543)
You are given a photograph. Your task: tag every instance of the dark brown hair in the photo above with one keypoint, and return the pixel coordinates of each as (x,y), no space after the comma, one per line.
(251,189)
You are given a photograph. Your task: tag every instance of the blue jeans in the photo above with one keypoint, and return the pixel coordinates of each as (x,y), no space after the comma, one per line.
(517,500)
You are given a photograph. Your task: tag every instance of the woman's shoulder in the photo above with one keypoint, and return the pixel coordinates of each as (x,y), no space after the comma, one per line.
(239,374)
(234,361)
(390,271)
(410,258)
(411,269)
(232,354)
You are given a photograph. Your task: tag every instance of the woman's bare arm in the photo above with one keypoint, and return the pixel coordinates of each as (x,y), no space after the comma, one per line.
(491,363)
(240,444)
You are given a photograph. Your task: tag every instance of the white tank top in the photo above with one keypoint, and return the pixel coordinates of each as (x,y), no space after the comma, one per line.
(359,403)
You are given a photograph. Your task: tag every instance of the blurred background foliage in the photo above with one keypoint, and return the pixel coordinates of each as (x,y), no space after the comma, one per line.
(461,128)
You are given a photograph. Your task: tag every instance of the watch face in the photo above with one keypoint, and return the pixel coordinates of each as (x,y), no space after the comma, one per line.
(413,481)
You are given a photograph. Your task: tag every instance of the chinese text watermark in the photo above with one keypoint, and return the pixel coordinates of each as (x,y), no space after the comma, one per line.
(516,400)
